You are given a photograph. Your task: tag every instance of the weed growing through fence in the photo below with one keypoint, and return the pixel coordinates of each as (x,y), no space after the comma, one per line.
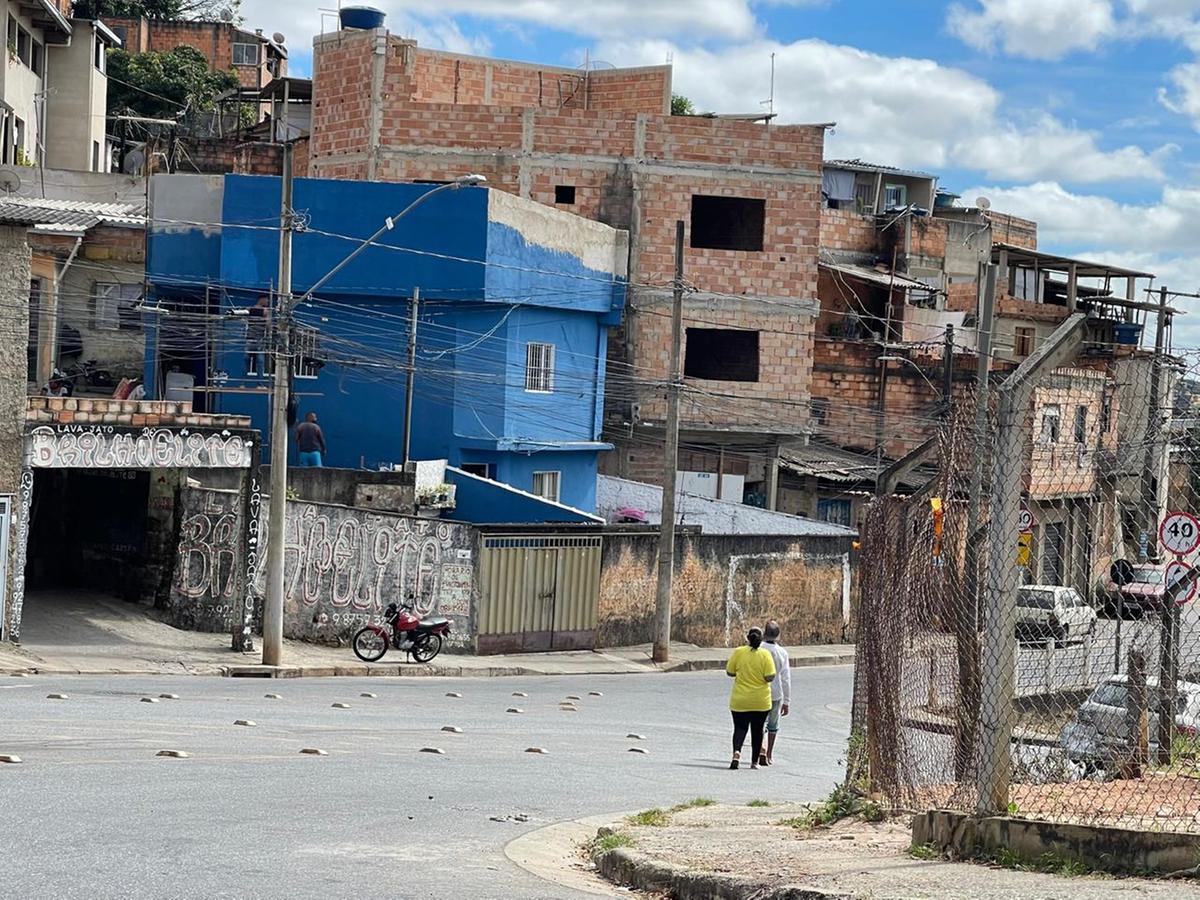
(846,801)
(1049,863)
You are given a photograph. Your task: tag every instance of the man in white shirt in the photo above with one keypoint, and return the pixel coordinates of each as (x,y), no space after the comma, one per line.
(781,688)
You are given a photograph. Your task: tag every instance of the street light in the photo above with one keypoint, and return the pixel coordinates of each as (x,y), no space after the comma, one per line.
(277,508)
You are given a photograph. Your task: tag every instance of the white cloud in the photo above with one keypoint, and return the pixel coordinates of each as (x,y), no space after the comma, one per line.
(898,110)
(1050,149)
(1038,29)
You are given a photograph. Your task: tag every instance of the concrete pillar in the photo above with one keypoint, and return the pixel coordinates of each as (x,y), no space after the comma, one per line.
(15,481)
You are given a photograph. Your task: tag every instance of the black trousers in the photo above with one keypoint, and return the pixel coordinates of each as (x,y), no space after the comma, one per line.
(749,721)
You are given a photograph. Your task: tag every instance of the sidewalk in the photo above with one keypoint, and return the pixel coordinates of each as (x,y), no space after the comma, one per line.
(739,853)
(99,635)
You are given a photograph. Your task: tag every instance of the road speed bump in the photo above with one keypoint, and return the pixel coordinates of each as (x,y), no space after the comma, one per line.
(541,750)
(519,694)
(515,709)
(149,700)
(438,750)
(168,696)
(341,706)
(452,729)
(248,723)
(57,697)
(273,696)
(313,751)
(174,754)
(595,694)
(642,750)
(634,736)
(454,694)
(368,695)
(9,758)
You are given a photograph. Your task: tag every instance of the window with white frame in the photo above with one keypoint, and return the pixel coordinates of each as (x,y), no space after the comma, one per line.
(894,196)
(245,54)
(546,484)
(539,368)
(1051,423)
(115,306)
(305,346)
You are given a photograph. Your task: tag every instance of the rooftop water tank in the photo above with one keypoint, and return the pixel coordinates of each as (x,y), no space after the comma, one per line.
(365,17)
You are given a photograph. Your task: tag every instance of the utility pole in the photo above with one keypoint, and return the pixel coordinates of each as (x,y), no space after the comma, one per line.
(666,536)
(1154,502)
(948,371)
(273,604)
(414,307)
(967,630)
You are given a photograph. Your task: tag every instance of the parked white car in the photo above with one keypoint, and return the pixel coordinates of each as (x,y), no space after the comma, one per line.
(1050,610)
(1100,727)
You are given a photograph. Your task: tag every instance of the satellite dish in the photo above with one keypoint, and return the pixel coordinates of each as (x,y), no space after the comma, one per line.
(10,181)
(983,203)
(278,37)
(226,14)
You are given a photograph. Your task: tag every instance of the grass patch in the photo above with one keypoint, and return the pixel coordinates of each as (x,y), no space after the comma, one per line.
(844,802)
(925,851)
(610,841)
(694,803)
(797,822)
(655,818)
(1048,863)
(758,803)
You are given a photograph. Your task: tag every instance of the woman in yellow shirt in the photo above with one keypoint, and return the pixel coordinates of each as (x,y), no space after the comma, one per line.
(752,668)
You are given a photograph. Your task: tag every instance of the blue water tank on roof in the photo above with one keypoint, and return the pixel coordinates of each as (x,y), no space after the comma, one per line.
(364,17)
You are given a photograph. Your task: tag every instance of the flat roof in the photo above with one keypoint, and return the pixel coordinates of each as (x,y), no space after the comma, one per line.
(298,89)
(875,276)
(1083,268)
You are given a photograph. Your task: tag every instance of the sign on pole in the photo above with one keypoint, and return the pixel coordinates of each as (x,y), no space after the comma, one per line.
(1026,521)
(1179,533)
(1175,573)
(1024,549)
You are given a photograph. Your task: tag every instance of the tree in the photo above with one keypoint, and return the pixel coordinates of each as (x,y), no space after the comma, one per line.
(681,106)
(162,85)
(206,10)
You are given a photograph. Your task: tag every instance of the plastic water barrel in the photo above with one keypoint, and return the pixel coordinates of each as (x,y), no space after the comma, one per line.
(365,17)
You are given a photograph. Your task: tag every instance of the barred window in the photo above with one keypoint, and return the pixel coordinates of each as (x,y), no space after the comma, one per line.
(539,368)
(546,484)
(306,348)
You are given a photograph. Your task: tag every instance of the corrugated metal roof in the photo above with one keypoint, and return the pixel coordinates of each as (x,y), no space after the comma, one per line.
(859,165)
(712,516)
(72,215)
(831,463)
(881,277)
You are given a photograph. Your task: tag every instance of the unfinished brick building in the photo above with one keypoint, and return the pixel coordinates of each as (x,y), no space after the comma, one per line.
(602,143)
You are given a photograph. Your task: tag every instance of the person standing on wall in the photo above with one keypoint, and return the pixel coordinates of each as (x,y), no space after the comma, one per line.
(310,441)
(258,326)
(781,689)
(752,669)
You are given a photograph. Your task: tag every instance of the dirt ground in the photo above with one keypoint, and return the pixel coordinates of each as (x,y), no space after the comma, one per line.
(867,860)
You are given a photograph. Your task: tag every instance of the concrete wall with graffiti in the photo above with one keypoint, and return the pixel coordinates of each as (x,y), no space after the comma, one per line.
(342,567)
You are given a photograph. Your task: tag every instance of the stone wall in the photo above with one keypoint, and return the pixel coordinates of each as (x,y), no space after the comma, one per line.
(342,567)
(723,585)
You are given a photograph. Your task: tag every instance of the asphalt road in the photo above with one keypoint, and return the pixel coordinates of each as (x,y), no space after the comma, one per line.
(92,812)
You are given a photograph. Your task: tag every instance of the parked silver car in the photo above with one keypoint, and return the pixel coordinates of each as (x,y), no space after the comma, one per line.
(1053,611)
(1099,731)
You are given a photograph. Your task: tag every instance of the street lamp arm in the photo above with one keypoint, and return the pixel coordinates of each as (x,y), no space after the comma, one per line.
(389,223)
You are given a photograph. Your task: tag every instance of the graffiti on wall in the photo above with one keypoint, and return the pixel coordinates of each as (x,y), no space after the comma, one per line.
(253,533)
(24,507)
(342,566)
(110,447)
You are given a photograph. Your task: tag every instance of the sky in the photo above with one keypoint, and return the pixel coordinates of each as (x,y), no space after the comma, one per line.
(1080,114)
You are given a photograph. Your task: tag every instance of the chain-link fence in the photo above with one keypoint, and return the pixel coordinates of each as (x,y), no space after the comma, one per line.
(1028,640)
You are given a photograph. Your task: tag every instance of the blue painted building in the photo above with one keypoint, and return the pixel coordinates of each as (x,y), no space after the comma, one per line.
(515,304)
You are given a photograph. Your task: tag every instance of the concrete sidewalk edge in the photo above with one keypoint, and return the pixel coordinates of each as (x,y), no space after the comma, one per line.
(644,873)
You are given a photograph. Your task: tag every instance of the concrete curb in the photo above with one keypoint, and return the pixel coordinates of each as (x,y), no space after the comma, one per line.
(414,670)
(644,873)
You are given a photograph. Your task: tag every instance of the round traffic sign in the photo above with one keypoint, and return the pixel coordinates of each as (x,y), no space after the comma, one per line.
(1026,521)
(1174,574)
(1179,533)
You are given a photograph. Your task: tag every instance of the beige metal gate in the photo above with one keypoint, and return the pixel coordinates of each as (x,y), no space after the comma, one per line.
(538,592)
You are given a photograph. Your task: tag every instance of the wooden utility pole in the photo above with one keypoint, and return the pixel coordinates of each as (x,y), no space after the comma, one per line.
(414,308)
(948,371)
(666,535)
(273,603)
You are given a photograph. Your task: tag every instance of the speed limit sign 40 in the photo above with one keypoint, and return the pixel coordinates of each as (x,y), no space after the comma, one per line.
(1179,533)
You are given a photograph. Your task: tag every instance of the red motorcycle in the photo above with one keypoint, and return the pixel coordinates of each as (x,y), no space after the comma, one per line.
(420,638)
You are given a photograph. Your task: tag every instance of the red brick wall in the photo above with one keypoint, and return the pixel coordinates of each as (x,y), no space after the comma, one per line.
(846,229)
(962,296)
(1009,229)
(214,39)
(75,410)
(644,90)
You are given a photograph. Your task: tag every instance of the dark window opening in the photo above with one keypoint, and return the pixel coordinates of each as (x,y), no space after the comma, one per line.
(721,354)
(727,223)
(820,410)
(564,193)
(483,470)
(1080,424)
